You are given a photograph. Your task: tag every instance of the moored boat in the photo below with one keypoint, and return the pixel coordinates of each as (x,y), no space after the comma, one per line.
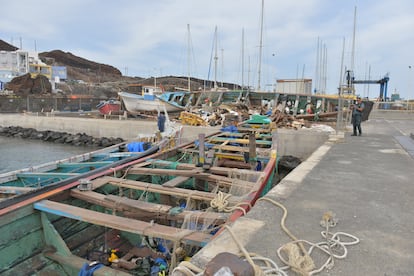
(143,216)
(29,180)
(109,107)
(155,99)
(36,179)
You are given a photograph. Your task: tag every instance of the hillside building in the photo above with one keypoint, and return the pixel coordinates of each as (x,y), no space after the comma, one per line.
(16,63)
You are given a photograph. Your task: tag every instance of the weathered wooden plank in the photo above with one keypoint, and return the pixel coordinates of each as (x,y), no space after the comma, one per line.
(121,223)
(241,141)
(259,130)
(178,192)
(15,190)
(161,163)
(196,173)
(213,170)
(99,182)
(231,148)
(137,208)
(119,203)
(176,181)
(234,156)
(169,172)
(143,164)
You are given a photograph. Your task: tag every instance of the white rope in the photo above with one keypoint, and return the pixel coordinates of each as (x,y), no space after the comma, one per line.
(265,266)
(332,241)
(220,203)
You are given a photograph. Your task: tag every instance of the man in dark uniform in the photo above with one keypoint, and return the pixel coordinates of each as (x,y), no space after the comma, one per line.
(161,122)
(357,110)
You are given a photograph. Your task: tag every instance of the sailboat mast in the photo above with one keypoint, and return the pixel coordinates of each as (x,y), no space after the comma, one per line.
(242,58)
(317,71)
(188,59)
(353,42)
(215,58)
(353,50)
(260,48)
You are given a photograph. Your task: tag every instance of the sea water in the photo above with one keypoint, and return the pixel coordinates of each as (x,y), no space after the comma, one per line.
(17,153)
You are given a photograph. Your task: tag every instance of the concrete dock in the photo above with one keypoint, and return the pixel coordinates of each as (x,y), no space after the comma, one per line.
(367,181)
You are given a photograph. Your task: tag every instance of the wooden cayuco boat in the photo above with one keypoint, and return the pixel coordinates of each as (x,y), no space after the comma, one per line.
(142,216)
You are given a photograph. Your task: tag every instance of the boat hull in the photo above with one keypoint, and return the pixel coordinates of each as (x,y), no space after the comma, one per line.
(160,198)
(136,104)
(109,107)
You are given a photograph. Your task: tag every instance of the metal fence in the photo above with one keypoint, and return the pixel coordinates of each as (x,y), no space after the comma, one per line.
(12,104)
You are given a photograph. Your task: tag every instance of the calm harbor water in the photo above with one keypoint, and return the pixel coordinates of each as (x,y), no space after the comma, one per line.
(18,153)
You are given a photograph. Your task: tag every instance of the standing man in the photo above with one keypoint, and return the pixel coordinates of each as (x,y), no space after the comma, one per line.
(161,121)
(357,110)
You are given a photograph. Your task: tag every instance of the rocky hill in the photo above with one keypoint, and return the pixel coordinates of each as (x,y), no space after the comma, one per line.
(4,46)
(79,68)
(95,79)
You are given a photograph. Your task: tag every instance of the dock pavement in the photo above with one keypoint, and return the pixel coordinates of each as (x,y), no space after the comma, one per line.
(366,181)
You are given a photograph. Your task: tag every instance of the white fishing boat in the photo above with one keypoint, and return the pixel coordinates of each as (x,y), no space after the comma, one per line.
(154,99)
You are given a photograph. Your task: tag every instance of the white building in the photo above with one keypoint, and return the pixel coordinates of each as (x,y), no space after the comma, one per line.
(294,86)
(13,64)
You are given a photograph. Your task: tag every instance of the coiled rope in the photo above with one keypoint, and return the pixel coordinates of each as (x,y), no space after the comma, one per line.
(220,203)
(332,241)
(268,266)
(300,262)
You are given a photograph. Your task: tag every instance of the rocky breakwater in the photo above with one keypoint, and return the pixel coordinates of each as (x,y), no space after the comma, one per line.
(79,139)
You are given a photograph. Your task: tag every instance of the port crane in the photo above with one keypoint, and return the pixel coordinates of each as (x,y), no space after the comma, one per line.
(382,82)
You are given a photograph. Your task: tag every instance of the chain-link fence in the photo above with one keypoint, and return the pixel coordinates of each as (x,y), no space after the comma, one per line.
(46,104)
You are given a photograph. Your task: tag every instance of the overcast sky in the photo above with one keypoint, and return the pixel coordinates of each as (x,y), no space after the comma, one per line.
(150,38)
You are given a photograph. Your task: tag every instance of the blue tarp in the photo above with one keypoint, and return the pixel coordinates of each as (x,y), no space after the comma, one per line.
(88,270)
(230,129)
(206,145)
(138,146)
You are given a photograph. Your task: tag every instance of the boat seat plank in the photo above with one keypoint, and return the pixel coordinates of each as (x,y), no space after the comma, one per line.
(230,134)
(169,172)
(121,223)
(142,164)
(231,148)
(177,165)
(176,181)
(258,130)
(99,182)
(240,141)
(115,202)
(233,156)
(133,206)
(196,173)
(213,170)
(177,192)
(15,190)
